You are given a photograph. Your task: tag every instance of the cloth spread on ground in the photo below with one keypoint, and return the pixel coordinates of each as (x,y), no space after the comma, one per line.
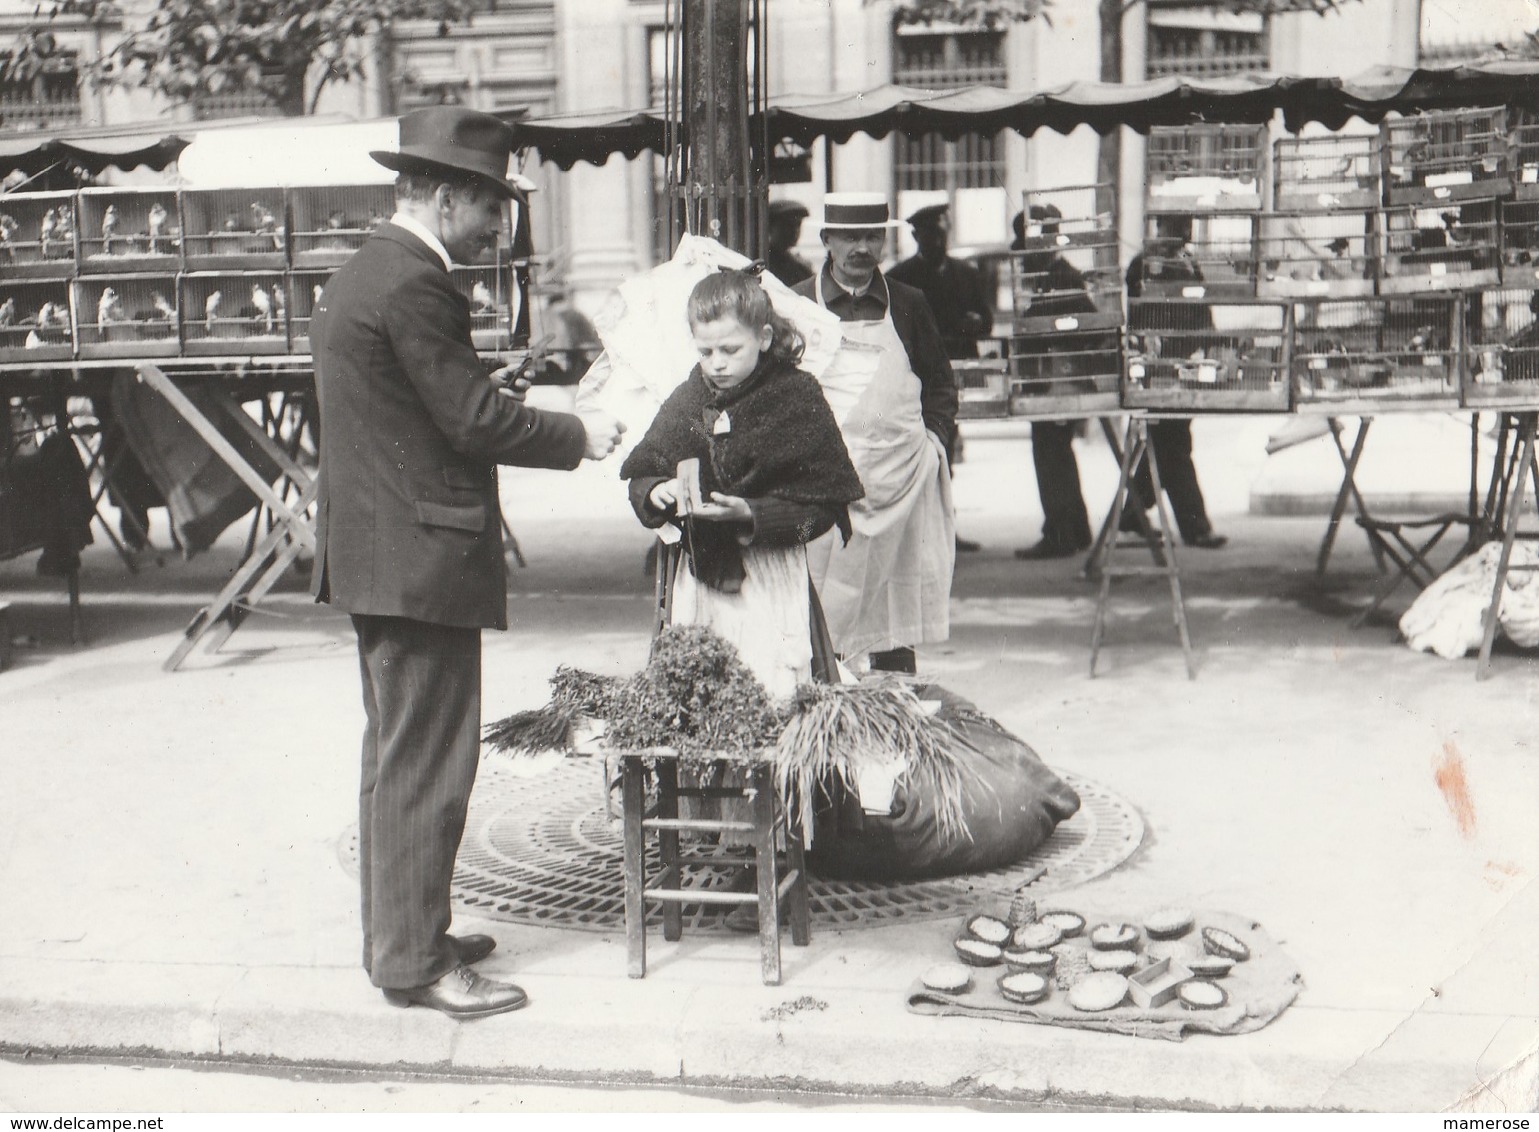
(1448,617)
(780,440)
(1011,802)
(1259,989)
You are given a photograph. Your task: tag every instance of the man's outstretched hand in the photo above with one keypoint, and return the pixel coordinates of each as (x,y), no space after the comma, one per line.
(603,431)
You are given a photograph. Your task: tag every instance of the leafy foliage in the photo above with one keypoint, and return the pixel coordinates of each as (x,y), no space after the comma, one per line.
(992,15)
(289,50)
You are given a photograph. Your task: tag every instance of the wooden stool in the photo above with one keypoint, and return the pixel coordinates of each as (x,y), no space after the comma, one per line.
(1407,543)
(775,883)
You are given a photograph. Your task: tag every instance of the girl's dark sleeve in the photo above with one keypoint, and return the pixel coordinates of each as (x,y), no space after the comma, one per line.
(640,488)
(782,523)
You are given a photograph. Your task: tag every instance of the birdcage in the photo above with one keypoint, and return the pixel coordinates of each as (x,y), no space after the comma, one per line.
(235,313)
(1317,252)
(1525,160)
(1447,247)
(1207,356)
(1336,171)
(1501,349)
(37,235)
(488,290)
(234,229)
(983,388)
(1203,167)
(35,321)
(1208,255)
(1519,237)
(1447,155)
(126,316)
(129,230)
(330,222)
(1375,354)
(304,294)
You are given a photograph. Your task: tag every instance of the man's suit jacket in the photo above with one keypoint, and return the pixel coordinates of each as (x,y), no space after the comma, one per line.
(411,433)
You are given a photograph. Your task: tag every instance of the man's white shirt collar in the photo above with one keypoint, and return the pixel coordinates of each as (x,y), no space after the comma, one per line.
(419,230)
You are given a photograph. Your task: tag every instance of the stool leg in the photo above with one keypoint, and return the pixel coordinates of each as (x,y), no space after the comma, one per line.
(769,890)
(801,911)
(668,845)
(633,798)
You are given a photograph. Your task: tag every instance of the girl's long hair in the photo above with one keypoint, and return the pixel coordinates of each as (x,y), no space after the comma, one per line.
(737,294)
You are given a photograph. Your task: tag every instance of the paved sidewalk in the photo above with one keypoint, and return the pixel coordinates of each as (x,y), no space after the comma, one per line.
(172,883)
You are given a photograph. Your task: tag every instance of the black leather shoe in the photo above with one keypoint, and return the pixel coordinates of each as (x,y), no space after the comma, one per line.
(1209,541)
(1046,549)
(462,994)
(473,948)
(967,545)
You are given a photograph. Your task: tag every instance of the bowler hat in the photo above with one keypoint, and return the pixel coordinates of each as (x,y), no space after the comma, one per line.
(452,139)
(856,210)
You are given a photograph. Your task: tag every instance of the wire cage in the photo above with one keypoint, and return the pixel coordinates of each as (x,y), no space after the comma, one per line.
(1200,255)
(1339,171)
(1525,157)
(234,229)
(304,288)
(125,231)
(1205,166)
(37,235)
(1317,253)
(1446,155)
(1207,356)
(1519,236)
(1444,248)
(488,290)
(330,222)
(35,321)
(1376,353)
(983,388)
(234,313)
(126,316)
(1501,349)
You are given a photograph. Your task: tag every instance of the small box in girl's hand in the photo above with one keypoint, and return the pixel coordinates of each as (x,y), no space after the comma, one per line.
(690,499)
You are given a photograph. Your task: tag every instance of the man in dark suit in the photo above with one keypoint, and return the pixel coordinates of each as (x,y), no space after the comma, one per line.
(409,536)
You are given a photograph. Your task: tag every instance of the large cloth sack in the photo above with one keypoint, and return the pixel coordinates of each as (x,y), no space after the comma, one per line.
(1448,617)
(1011,803)
(203,494)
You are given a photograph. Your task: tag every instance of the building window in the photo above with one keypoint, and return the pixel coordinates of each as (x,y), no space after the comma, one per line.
(49,97)
(1205,43)
(934,61)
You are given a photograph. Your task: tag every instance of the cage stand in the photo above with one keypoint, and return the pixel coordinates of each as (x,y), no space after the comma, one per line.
(1513,489)
(1135,449)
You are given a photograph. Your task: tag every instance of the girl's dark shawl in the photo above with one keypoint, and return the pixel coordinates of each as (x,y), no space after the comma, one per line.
(782,442)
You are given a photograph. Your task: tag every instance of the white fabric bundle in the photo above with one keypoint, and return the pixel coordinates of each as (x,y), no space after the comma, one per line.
(1448,617)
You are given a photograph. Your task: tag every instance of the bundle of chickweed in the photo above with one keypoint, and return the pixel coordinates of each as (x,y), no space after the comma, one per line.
(695,695)
(835,729)
(574,693)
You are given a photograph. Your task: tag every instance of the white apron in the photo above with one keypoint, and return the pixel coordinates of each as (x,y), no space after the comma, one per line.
(891,584)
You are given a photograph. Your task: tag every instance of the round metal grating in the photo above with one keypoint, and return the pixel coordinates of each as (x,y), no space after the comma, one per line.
(543,850)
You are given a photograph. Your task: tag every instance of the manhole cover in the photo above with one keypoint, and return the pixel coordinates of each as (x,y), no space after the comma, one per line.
(543,850)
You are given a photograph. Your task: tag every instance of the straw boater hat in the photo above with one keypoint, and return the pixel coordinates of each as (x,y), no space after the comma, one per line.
(450,138)
(846,211)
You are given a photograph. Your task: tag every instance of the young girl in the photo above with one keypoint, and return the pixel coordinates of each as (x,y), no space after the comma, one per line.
(774,474)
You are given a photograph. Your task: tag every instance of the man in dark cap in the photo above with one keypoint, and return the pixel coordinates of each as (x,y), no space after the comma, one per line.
(409,536)
(956,292)
(954,288)
(785,230)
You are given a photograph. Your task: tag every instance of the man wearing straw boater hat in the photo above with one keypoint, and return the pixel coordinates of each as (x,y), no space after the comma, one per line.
(409,536)
(891,389)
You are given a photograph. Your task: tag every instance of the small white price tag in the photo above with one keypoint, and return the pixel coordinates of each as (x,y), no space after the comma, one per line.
(1207,374)
(1193,292)
(1136,370)
(1317,363)
(1438,268)
(1069,322)
(1062,241)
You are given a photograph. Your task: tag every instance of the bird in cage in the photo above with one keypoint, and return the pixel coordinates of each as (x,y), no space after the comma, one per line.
(66,233)
(267,224)
(47,313)
(109,308)
(109,228)
(211,309)
(157,228)
(232,222)
(8,227)
(264,306)
(46,228)
(481,298)
(280,304)
(163,306)
(8,312)
(338,220)
(375,219)
(315,296)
